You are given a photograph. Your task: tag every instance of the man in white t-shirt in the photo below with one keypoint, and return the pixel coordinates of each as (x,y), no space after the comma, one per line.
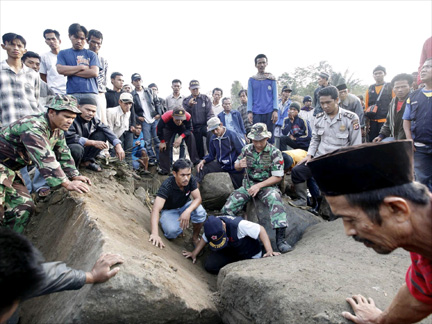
(48,71)
(231,239)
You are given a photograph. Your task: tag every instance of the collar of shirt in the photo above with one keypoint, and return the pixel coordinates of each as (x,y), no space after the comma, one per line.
(24,68)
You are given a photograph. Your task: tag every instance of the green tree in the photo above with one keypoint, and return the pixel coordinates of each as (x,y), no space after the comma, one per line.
(235,89)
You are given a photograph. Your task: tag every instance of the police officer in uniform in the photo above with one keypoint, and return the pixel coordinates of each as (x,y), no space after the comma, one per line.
(264,170)
(334,128)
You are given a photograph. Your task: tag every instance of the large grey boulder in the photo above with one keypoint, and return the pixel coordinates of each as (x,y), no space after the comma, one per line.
(298,220)
(310,284)
(215,190)
(153,285)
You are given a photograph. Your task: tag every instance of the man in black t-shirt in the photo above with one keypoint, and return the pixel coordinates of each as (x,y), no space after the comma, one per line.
(176,208)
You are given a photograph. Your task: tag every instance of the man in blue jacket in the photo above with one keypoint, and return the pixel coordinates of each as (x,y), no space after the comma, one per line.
(296,131)
(232,119)
(224,148)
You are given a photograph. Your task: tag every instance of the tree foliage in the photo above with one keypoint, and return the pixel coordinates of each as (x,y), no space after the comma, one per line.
(304,80)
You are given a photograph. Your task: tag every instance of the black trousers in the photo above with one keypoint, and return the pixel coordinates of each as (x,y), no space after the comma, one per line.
(164,156)
(217,260)
(374,130)
(214,166)
(199,132)
(286,141)
(87,153)
(266,119)
(300,173)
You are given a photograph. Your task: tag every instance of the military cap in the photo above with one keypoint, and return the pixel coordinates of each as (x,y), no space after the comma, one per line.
(215,234)
(213,123)
(63,102)
(179,113)
(364,167)
(295,105)
(259,132)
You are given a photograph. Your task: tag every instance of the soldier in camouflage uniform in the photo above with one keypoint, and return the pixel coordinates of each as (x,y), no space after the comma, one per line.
(37,139)
(264,169)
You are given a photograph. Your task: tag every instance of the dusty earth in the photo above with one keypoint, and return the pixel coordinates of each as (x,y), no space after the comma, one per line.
(308,285)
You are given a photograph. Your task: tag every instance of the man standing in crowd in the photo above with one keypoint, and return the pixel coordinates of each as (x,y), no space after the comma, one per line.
(19,84)
(172,101)
(323,81)
(95,39)
(200,108)
(377,101)
(393,126)
(173,122)
(264,170)
(112,97)
(139,153)
(262,105)
(296,131)
(217,94)
(307,111)
(351,103)
(148,111)
(162,104)
(87,137)
(243,109)
(231,239)
(32,60)
(36,139)
(284,105)
(80,65)
(224,148)
(334,128)
(48,70)
(176,208)
(389,212)
(232,120)
(417,125)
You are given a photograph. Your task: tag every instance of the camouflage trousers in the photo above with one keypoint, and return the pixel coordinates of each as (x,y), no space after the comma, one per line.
(270,196)
(16,204)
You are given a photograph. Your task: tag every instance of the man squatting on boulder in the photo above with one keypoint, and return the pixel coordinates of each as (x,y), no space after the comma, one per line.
(231,239)
(264,169)
(37,139)
(24,275)
(176,208)
(389,212)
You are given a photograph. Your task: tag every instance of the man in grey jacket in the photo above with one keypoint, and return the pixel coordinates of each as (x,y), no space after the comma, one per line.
(23,274)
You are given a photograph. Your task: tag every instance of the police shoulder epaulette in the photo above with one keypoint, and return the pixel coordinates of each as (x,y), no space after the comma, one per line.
(320,115)
(349,115)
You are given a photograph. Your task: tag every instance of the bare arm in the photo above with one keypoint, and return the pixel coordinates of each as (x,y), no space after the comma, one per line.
(91,72)
(154,222)
(407,129)
(67,70)
(266,242)
(196,195)
(403,309)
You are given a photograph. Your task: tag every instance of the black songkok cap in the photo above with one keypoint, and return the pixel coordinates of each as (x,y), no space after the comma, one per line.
(341,87)
(87,101)
(364,167)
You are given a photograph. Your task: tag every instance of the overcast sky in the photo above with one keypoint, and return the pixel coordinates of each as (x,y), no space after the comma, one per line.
(216,41)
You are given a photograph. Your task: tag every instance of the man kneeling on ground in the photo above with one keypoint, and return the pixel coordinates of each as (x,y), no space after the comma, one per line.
(173,201)
(231,239)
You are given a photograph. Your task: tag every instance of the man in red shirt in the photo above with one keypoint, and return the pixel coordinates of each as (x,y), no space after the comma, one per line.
(384,209)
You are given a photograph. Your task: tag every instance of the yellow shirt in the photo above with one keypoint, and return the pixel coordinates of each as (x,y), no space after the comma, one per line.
(297,155)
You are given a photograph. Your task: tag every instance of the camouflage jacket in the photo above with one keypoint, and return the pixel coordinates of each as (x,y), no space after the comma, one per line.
(30,139)
(263,165)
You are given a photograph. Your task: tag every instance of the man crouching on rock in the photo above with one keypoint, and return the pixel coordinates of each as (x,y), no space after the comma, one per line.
(37,139)
(383,208)
(231,239)
(176,208)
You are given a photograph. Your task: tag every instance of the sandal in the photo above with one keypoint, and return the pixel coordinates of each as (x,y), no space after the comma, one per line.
(43,192)
(94,167)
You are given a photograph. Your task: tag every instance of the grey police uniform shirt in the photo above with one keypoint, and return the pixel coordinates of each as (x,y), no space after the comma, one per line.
(331,134)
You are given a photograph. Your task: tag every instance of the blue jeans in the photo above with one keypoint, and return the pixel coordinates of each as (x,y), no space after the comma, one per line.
(149,132)
(37,183)
(170,223)
(423,165)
